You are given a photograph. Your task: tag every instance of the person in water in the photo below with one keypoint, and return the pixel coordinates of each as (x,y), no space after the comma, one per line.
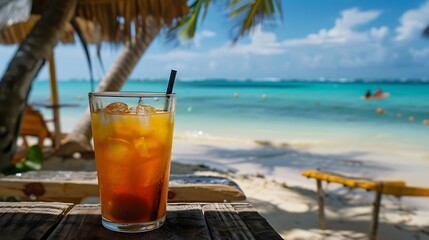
(378,92)
(368,93)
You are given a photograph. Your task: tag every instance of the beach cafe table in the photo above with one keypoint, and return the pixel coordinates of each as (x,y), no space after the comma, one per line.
(55,220)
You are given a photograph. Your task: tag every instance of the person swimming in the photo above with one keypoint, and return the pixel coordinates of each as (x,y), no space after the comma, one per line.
(368,94)
(378,92)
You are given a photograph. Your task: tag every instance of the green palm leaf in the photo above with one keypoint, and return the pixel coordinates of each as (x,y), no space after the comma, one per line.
(426,31)
(245,13)
(250,13)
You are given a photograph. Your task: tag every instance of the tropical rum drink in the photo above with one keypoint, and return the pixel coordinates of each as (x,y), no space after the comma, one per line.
(133,135)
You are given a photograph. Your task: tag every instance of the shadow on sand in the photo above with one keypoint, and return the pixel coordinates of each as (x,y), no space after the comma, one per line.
(269,158)
(292,224)
(348,210)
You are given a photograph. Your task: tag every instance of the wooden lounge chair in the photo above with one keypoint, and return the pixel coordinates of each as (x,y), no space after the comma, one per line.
(34,125)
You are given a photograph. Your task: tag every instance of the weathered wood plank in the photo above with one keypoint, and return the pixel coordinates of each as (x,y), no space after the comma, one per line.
(84,222)
(184,221)
(258,225)
(42,220)
(395,187)
(375,212)
(203,193)
(321,204)
(224,222)
(194,188)
(26,220)
(405,191)
(50,185)
(353,182)
(74,186)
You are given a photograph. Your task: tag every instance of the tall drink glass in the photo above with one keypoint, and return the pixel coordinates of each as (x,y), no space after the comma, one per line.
(133,133)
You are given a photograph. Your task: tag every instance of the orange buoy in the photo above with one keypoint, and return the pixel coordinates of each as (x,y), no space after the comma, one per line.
(410,118)
(380,111)
(425,122)
(399,115)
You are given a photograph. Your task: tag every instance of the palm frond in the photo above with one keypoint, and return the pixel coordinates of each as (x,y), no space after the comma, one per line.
(206,8)
(246,14)
(187,26)
(426,31)
(250,13)
(81,36)
(100,60)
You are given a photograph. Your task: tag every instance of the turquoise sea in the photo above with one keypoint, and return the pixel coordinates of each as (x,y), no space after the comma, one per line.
(312,111)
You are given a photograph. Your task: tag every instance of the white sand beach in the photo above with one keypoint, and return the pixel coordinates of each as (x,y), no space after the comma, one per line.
(270,176)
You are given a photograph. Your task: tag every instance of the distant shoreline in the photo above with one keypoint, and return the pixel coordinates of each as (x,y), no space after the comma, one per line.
(306,80)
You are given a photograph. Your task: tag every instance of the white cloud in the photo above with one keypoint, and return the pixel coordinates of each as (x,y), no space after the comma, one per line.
(175,54)
(419,53)
(354,17)
(312,61)
(412,23)
(212,65)
(348,44)
(379,33)
(196,41)
(207,34)
(261,43)
(170,66)
(363,57)
(345,44)
(343,30)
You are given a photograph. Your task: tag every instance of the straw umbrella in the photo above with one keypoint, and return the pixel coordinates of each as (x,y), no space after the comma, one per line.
(114,17)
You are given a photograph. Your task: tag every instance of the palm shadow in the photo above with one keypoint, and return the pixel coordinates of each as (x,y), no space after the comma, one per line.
(343,222)
(270,158)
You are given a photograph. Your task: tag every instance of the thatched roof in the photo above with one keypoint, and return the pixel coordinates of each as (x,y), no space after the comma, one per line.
(113,21)
(16,33)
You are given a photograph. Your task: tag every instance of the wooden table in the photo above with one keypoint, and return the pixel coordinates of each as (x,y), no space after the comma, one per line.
(44,220)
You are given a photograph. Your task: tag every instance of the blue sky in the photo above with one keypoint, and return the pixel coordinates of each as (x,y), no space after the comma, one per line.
(315,39)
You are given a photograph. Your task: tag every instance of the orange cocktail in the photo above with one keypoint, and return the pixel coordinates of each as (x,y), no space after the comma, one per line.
(132,145)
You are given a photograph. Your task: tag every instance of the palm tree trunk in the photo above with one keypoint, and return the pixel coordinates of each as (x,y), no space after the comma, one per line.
(15,85)
(80,137)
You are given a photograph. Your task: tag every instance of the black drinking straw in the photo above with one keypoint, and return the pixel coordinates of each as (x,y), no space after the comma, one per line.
(161,183)
(170,87)
(171,81)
